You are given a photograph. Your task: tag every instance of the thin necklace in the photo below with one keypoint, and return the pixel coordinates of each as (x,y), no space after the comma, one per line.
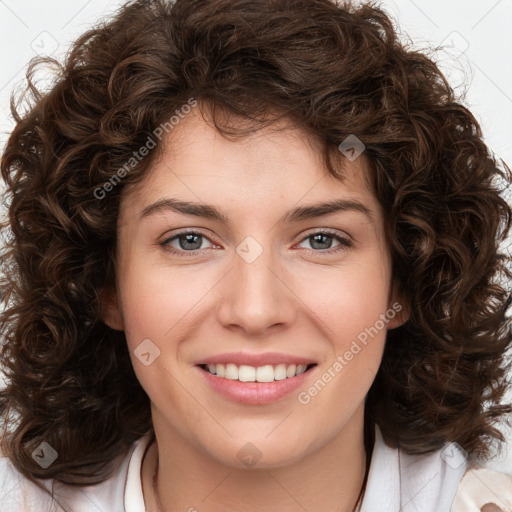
(357,506)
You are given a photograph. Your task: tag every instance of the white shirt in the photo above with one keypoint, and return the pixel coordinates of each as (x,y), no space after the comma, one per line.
(396,482)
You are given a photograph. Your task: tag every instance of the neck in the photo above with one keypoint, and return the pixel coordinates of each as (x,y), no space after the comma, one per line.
(328,478)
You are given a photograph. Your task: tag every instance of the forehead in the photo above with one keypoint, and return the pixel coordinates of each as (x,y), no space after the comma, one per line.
(196,162)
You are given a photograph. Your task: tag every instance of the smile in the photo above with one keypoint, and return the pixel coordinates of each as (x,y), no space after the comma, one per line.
(262,385)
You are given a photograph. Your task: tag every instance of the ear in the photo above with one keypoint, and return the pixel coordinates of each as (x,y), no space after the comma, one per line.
(110,310)
(398,308)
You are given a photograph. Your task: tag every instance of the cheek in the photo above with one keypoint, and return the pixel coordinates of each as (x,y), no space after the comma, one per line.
(359,316)
(352,301)
(355,316)
(155,306)
(158,302)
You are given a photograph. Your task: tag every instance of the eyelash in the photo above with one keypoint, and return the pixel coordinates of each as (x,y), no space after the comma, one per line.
(345,243)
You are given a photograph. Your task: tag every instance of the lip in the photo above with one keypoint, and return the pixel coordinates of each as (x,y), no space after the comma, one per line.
(254,393)
(262,359)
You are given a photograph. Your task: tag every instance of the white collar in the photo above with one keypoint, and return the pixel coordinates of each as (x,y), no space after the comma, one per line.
(412,483)
(133,496)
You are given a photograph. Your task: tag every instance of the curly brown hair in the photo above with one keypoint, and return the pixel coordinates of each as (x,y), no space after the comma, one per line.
(332,69)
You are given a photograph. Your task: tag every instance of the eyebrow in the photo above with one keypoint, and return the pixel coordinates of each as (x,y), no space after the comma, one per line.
(297,214)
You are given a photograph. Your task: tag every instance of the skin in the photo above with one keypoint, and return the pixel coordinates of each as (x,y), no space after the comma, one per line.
(297,297)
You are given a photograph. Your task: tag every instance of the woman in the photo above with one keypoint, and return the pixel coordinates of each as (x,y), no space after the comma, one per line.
(254,266)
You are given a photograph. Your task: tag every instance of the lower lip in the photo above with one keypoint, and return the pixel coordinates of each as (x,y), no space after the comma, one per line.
(256,393)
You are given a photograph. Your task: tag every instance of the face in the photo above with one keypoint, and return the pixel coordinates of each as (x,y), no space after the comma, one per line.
(256,286)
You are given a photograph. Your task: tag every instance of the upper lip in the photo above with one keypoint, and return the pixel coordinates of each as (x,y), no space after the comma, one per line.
(262,359)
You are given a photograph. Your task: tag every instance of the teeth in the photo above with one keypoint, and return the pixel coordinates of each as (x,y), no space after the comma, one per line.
(291,370)
(263,373)
(301,369)
(247,373)
(231,371)
(267,373)
(280,372)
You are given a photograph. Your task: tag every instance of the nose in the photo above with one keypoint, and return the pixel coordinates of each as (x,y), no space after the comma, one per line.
(256,294)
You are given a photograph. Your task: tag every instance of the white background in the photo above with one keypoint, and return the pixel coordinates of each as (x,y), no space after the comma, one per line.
(477,57)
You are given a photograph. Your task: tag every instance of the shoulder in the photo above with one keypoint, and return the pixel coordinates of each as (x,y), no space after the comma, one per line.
(411,482)
(430,480)
(483,490)
(19,494)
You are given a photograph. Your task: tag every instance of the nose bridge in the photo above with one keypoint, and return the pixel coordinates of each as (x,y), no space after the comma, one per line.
(254,296)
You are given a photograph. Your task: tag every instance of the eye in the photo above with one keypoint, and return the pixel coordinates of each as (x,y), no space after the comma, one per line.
(190,241)
(185,241)
(321,241)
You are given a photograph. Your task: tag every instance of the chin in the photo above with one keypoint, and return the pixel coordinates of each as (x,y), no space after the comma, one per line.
(264,454)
